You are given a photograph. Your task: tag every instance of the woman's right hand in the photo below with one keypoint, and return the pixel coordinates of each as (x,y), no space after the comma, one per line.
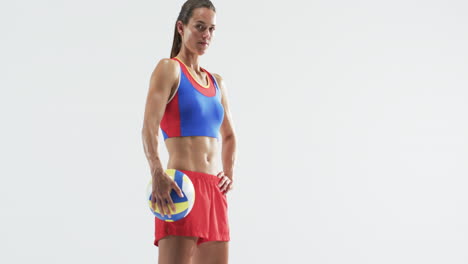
(162,186)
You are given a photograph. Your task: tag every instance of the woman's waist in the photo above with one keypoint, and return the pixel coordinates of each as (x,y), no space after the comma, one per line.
(199,163)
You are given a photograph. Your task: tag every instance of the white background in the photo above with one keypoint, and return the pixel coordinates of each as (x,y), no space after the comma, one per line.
(350,117)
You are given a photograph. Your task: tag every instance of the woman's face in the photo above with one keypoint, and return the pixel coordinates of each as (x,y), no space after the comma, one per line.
(198,33)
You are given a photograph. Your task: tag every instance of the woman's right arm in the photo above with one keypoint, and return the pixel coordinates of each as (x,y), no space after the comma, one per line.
(164,77)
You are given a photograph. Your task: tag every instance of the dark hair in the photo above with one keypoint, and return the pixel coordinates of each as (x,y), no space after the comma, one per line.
(185,14)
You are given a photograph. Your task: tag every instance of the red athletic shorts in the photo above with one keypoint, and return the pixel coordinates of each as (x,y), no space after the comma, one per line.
(208,219)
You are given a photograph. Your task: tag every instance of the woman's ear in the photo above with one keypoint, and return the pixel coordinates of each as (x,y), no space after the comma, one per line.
(180,27)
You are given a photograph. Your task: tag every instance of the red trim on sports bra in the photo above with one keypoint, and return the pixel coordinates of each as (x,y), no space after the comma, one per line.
(209,90)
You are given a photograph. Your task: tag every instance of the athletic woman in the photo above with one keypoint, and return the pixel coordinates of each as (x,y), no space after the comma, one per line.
(190,106)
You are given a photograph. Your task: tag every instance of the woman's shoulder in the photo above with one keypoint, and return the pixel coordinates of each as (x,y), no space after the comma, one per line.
(218,79)
(166,67)
(216,75)
(168,64)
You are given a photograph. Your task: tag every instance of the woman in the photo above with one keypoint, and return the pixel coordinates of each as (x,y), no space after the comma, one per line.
(190,106)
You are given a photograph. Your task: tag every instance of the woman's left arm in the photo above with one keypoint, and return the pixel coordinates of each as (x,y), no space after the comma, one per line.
(228,138)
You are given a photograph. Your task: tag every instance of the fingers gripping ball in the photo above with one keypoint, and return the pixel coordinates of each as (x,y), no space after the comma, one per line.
(183,204)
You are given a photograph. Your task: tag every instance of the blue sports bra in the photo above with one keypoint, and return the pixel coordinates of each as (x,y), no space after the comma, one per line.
(194,109)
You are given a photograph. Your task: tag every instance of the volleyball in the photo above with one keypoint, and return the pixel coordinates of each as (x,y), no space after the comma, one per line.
(183,205)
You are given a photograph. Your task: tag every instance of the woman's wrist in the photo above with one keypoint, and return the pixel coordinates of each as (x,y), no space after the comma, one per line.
(157,171)
(229,173)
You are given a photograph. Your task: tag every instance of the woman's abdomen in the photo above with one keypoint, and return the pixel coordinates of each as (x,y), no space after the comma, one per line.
(194,153)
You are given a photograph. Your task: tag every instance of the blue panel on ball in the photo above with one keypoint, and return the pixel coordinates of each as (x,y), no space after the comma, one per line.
(164,134)
(178,178)
(176,198)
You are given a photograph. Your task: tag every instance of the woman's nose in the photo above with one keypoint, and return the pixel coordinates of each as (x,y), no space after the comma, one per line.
(206,33)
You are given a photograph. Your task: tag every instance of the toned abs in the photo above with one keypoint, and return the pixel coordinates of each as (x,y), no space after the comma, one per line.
(193,153)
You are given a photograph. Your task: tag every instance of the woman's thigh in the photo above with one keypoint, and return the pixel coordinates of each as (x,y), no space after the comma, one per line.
(213,252)
(176,249)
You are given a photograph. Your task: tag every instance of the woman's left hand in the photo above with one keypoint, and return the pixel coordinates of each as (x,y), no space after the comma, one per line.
(225,184)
